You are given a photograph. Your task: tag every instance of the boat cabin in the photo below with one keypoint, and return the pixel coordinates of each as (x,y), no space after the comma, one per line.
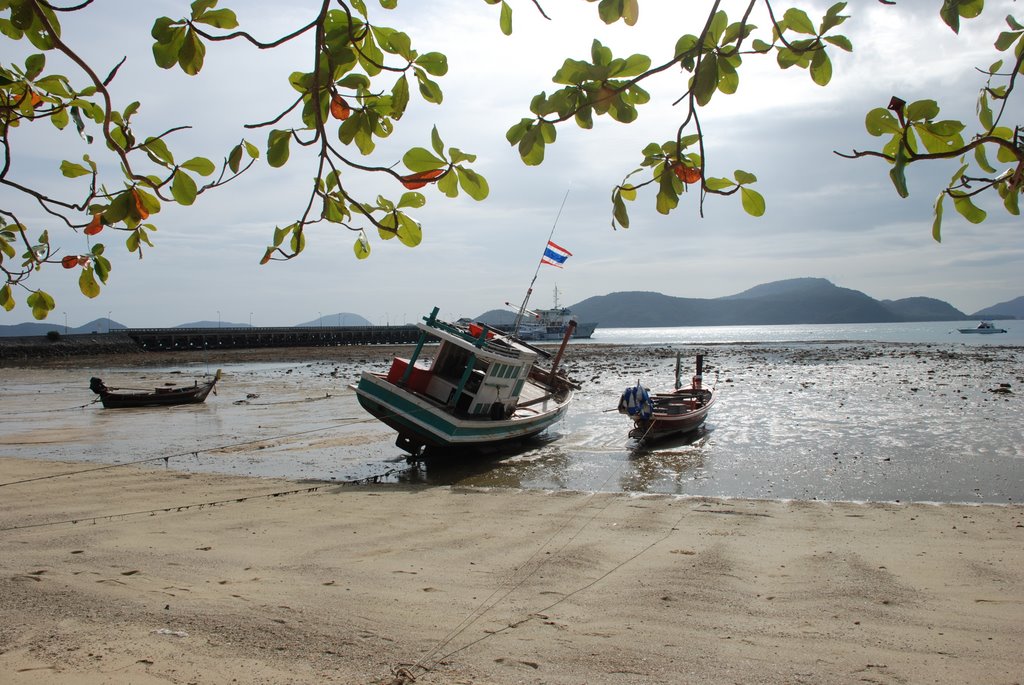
(473,376)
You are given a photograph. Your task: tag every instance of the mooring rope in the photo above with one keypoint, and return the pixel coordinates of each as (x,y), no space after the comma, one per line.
(202,505)
(190,453)
(498,595)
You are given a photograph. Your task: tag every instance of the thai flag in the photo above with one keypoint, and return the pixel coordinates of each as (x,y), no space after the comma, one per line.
(555,255)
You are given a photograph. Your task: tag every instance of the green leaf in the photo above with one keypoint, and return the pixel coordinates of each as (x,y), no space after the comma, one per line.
(192,53)
(449,185)
(841,42)
(277,147)
(667,198)
(753,203)
(221,19)
(744,177)
(968,209)
(981,159)
(797,20)
(409,232)
(434,63)
(429,90)
(1012,201)
(531,147)
(412,199)
(437,143)
(158,149)
(821,68)
(399,97)
(235,158)
(200,165)
(420,159)
(72,170)
(34,65)
(361,246)
(183,188)
(898,172)
(937,222)
(705,81)
(6,301)
(620,215)
(87,283)
(505,19)
(716,183)
(922,110)
(880,121)
(41,303)
(985,111)
(473,183)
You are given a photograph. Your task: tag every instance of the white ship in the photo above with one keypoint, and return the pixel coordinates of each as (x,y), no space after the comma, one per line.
(549,324)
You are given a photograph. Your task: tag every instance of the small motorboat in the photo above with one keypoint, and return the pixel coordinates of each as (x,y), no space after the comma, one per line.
(984,327)
(122,398)
(657,415)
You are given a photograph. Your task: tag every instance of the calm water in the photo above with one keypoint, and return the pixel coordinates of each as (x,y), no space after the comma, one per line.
(898,412)
(925,332)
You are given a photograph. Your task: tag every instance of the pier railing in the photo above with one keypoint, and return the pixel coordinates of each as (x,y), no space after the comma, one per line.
(157,339)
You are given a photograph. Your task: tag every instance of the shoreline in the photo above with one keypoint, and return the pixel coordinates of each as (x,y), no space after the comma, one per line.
(192,577)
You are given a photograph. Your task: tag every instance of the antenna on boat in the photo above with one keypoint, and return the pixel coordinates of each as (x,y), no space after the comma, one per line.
(529,291)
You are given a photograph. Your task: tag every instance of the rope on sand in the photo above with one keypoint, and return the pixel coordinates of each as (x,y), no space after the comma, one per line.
(201,505)
(192,453)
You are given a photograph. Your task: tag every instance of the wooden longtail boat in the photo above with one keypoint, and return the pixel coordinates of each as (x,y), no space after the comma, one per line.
(482,387)
(656,415)
(119,398)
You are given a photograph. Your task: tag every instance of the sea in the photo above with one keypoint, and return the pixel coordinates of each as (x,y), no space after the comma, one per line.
(938,332)
(910,412)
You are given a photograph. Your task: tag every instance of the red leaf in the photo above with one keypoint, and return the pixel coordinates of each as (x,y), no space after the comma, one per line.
(142,211)
(686,174)
(95,226)
(414,181)
(69,262)
(340,108)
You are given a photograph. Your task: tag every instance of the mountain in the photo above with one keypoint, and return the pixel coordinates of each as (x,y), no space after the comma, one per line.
(1014,309)
(101,325)
(212,324)
(339,319)
(792,301)
(923,309)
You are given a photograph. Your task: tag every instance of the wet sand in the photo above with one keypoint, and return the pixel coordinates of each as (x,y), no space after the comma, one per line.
(144,574)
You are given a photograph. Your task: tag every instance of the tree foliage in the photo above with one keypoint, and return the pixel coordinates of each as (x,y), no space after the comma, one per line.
(356,84)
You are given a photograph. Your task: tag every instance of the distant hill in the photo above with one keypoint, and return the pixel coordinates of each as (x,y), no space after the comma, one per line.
(923,309)
(339,319)
(1014,309)
(212,324)
(793,301)
(102,325)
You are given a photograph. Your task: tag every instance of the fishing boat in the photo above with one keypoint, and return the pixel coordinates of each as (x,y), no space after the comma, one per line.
(660,414)
(121,398)
(550,324)
(984,327)
(482,387)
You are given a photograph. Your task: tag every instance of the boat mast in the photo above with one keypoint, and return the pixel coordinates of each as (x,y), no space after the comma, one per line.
(529,291)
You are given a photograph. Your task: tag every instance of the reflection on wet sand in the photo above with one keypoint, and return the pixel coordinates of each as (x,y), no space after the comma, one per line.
(672,461)
(838,421)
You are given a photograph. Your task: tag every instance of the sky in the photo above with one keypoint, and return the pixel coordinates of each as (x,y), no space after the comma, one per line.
(826,216)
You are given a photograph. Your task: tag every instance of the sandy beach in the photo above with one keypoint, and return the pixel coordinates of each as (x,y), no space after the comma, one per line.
(130,575)
(119,573)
